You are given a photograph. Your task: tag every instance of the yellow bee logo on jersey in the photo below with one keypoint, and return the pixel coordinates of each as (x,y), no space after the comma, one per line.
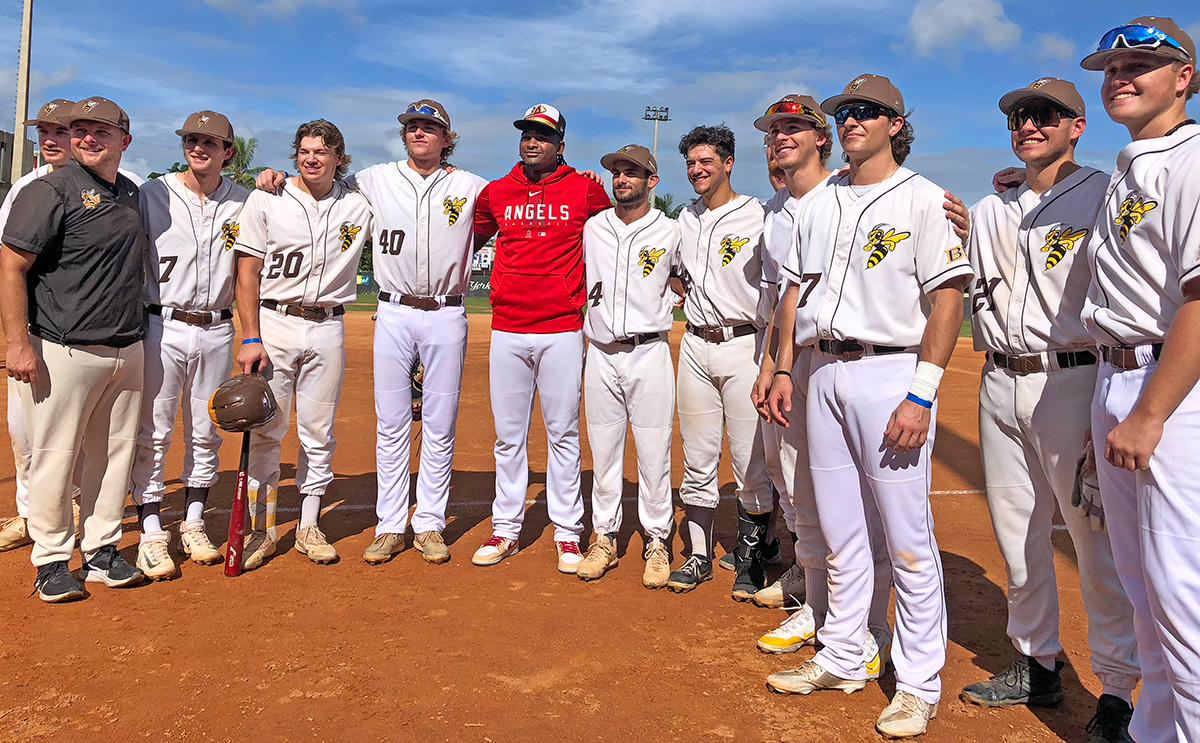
(229,233)
(882,240)
(648,259)
(347,232)
(1059,242)
(454,208)
(730,246)
(1133,208)
(91,199)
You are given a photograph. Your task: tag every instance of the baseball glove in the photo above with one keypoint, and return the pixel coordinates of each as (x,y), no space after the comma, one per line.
(1085,494)
(242,403)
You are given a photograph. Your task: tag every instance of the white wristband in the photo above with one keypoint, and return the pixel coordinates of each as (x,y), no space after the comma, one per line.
(925,382)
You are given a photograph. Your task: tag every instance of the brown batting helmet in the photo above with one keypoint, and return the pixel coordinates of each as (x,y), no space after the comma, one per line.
(242,403)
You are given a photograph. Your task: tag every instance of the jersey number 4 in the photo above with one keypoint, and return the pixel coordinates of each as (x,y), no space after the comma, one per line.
(596,293)
(390,242)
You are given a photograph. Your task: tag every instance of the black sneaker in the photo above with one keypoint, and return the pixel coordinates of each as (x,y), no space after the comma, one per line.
(1024,682)
(693,572)
(109,568)
(1110,724)
(55,584)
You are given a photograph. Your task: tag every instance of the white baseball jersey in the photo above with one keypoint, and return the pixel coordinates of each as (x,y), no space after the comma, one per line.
(864,261)
(1146,240)
(425,227)
(191,260)
(33,175)
(779,229)
(721,251)
(1027,251)
(628,270)
(310,249)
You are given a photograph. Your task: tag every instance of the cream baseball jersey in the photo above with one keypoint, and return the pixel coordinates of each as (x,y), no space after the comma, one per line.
(424,227)
(1146,240)
(721,251)
(864,261)
(628,268)
(190,261)
(1028,253)
(310,248)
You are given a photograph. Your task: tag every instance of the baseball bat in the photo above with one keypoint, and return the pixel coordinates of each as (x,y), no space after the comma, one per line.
(237,515)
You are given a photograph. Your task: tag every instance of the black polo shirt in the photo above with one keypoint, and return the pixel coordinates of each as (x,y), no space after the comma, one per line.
(85,286)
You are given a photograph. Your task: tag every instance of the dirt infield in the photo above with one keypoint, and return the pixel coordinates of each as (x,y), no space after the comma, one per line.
(517,652)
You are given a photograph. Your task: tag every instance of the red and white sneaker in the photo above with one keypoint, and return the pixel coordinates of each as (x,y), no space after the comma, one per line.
(494,550)
(568,557)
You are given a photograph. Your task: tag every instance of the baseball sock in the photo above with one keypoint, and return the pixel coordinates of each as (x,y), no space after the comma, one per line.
(148,517)
(195,499)
(700,527)
(816,593)
(310,510)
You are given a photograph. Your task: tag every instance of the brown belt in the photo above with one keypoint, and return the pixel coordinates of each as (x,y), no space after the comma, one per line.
(851,349)
(199,319)
(422,303)
(1034,362)
(638,340)
(312,314)
(721,333)
(1125,357)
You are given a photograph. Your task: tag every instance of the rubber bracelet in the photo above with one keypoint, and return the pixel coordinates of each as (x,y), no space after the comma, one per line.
(923,403)
(251,340)
(784,372)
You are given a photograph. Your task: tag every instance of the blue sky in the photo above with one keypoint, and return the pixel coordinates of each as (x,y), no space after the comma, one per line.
(272,64)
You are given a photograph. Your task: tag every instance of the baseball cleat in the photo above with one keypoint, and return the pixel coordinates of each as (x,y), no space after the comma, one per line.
(878,651)
(258,546)
(694,571)
(771,555)
(1023,682)
(568,557)
(1110,724)
(311,542)
(432,547)
(108,567)
(795,632)
(14,533)
(658,565)
(809,678)
(750,574)
(154,556)
(55,584)
(906,717)
(785,593)
(600,557)
(494,550)
(383,548)
(194,538)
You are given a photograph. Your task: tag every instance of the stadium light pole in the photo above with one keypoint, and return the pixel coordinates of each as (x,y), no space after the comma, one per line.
(656,114)
(18,157)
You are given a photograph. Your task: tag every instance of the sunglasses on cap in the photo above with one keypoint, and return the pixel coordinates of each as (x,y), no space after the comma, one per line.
(862,112)
(424,109)
(792,107)
(1041,114)
(1138,36)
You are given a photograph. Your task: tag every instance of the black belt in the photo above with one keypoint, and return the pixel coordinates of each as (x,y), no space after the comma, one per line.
(718,334)
(423,303)
(313,314)
(199,318)
(852,349)
(1031,363)
(638,340)
(1125,357)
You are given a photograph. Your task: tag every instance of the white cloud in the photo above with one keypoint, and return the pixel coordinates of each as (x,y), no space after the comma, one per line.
(939,24)
(1055,46)
(1193,31)
(251,10)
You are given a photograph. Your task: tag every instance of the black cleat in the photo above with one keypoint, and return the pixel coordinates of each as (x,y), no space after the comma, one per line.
(692,573)
(1024,682)
(750,572)
(109,568)
(1110,724)
(770,552)
(55,584)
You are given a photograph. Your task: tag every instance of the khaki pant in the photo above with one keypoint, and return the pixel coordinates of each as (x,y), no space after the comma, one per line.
(82,392)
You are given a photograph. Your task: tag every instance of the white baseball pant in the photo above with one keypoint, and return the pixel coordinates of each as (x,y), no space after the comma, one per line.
(183,363)
(713,396)
(85,402)
(849,404)
(551,364)
(634,386)
(439,338)
(772,436)
(1153,519)
(1031,433)
(308,363)
(20,447)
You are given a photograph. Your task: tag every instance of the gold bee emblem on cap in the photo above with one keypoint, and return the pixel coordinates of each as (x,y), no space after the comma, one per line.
(201,121)
(91,199)
(89,105)
(50,107)
(1038,83)
(855,85)
(346,233)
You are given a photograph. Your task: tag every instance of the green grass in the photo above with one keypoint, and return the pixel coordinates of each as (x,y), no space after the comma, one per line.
(965,330)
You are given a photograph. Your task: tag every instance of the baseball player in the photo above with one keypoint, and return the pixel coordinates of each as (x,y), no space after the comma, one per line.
(629,251)
(299,261)
(537,212)
(191,219)
(1142,310)
(1031,278)
(877,232)
(721,255)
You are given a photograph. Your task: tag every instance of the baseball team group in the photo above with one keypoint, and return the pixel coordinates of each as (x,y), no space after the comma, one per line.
(818,327)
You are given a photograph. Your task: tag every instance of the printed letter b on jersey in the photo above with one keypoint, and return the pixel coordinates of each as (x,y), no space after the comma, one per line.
(955,254)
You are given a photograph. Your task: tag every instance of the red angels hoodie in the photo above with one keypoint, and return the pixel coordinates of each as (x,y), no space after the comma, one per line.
(537,270)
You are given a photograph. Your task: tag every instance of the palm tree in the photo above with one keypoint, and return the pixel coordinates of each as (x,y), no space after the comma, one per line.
(666,204)
(239,170)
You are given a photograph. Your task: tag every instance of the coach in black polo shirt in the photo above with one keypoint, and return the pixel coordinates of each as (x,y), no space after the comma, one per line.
(70,294)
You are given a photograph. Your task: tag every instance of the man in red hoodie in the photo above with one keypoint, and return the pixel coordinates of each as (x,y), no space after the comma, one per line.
(537,212)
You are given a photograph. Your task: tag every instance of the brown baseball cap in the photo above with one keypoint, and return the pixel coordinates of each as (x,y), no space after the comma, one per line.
(634,153)
(794,106)
(870,88)
(1050,89)
(47,114)
(427,109)
(210,123)
(96,109)
(1132,37)
(543,114)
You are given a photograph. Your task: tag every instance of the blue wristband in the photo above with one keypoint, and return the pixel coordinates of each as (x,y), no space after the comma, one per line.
(910,397)
(251,340)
